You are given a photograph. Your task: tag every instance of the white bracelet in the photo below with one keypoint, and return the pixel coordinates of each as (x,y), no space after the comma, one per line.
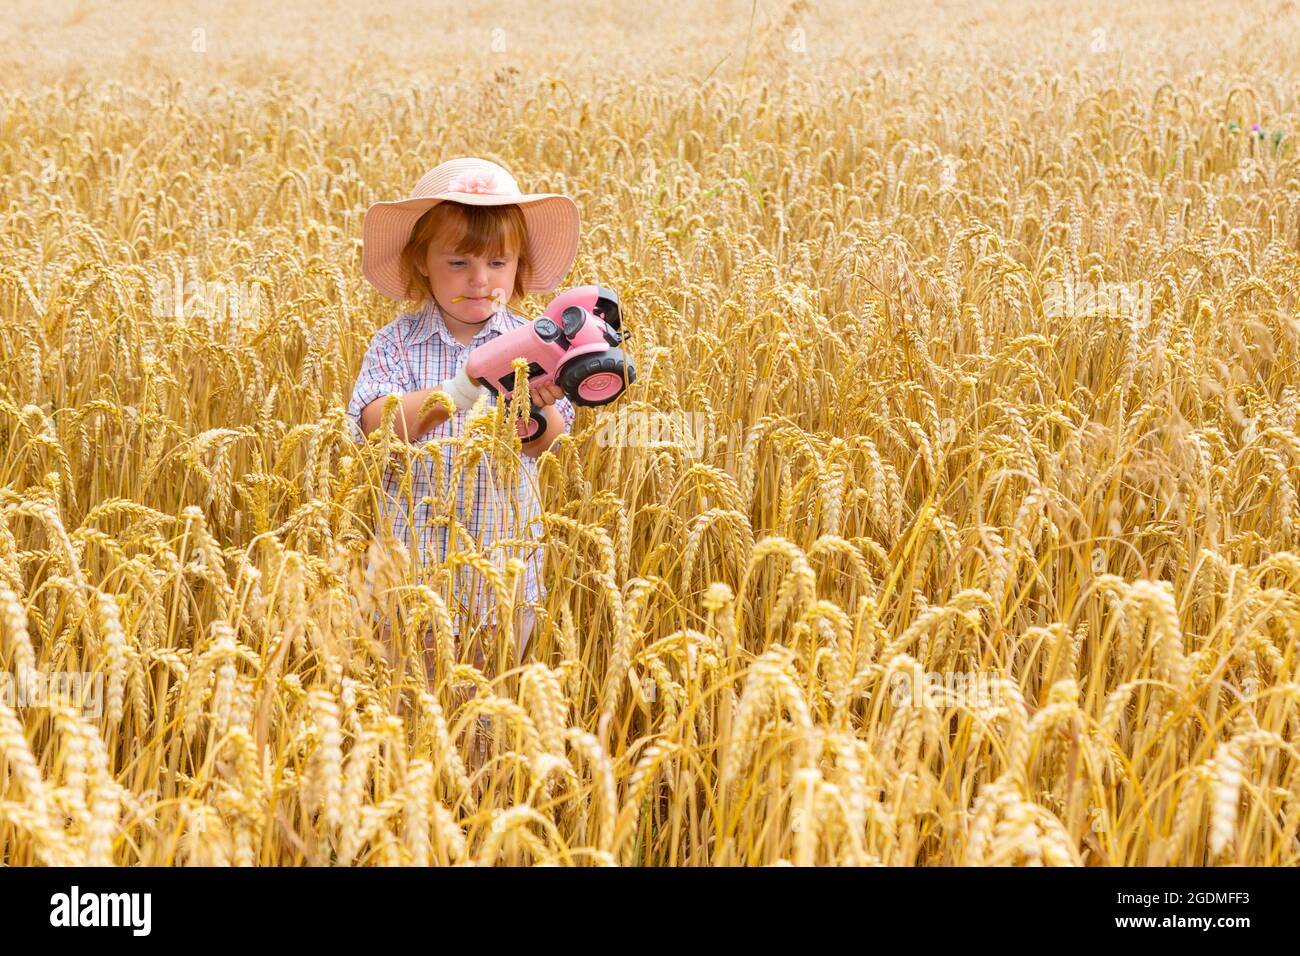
(462,391)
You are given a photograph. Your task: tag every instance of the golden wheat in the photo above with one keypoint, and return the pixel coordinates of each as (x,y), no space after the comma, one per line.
(952,518)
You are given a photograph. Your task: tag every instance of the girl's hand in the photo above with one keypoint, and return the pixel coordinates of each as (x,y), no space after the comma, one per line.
(546,395)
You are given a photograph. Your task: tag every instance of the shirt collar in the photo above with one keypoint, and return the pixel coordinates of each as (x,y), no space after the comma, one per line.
(429,320)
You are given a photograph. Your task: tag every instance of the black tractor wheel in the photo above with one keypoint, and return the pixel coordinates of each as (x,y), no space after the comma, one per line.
(597,379)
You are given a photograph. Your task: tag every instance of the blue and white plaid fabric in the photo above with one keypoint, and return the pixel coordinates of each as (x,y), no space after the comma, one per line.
(416,351)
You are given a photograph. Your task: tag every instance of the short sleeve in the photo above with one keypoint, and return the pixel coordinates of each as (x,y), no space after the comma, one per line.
(383,372)
(567,410)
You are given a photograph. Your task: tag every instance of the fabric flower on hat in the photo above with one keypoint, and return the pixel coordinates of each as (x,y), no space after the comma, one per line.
(478,183)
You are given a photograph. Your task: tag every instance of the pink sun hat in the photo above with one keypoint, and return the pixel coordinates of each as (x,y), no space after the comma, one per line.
(552,220)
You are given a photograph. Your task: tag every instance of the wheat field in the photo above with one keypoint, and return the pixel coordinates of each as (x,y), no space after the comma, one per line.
(952,518)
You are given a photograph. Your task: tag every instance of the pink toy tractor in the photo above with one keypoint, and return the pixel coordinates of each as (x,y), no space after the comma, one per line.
(575,343)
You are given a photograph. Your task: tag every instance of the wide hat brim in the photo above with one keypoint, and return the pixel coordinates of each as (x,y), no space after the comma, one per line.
(553,229)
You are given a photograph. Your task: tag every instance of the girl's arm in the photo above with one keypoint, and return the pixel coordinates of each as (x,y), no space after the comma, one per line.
(408,423)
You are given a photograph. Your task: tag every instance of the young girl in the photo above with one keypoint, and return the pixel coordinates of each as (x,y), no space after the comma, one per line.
(462,245)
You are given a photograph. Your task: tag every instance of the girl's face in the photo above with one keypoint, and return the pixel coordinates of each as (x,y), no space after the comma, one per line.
(481,284)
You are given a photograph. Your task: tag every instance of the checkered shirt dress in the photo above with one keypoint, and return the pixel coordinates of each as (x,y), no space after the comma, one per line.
(416,351)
